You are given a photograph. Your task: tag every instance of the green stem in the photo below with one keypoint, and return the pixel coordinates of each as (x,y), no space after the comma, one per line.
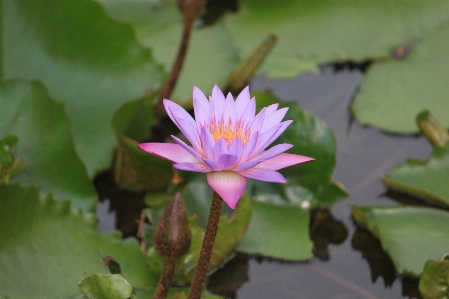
(202,266)
(165,279)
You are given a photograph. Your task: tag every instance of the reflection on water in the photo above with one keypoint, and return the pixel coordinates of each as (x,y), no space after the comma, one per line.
(349,260)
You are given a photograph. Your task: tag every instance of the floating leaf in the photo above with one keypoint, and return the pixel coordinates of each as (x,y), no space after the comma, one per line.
(317,32)
(278,231)
(309,184)
(434,282)
(395,90)
(46,143)
(409,235)
(427,179)
(47,249)
(211,55)
(92,63)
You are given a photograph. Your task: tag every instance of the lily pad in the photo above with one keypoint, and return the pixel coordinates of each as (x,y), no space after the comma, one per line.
(308,185)
(47,248)
(45,143)
(410,235)
(211,54)
(316,32)
(278,231)
(427,179)
(395,90)
(92,63)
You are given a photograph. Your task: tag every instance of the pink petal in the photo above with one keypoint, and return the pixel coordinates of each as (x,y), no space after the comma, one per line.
(195,167)
(270,135)
(265,175)
(229,113)
(219,149)
(170,151)
(190,131)
(282,161)
(228,184)
(236,147)
(213,165)
(271,109)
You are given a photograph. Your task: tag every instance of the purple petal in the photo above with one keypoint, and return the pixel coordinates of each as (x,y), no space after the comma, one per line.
(169,151)
(184,122)
(247,116)
(242,101)
(247,165)
(195,167)
(215,166)
(271,109)
(257,122)
(219,149)
(217,104)
(265,175)
(274,151)
(188,148)
(270,135)
(228,184)
(208,143)
(201,108)
(282,161)
(273,119)
(229,113)
(227,161)
(249,148)
(236,148)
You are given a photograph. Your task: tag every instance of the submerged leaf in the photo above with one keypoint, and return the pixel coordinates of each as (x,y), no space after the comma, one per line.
(434,282)
(110,286)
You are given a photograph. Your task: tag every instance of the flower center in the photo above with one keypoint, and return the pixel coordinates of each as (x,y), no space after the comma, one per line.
(230,132)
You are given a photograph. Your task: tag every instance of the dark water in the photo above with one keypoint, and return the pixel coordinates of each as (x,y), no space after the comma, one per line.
(349,262)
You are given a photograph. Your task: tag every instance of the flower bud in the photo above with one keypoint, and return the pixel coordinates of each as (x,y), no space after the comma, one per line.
(173,235)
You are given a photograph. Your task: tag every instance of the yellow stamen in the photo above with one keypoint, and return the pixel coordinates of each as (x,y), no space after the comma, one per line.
(229,132)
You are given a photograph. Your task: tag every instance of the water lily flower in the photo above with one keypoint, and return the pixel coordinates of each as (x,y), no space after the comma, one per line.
(228,142)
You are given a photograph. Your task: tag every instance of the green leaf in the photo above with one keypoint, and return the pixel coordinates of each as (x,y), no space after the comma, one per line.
(410,235)
(424,179)
(47,248)
(395,91)
(86,59)
(309,184)
(110,286)
(278,231)
(174,293)
(46,145)
(211,54)
(434,282)
(317,32)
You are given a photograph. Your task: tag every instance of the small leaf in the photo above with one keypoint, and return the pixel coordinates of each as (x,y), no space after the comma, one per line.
(110,286)
(434,283)
(427,179)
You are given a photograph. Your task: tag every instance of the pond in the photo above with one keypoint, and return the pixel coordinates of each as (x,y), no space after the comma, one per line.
(348,262)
